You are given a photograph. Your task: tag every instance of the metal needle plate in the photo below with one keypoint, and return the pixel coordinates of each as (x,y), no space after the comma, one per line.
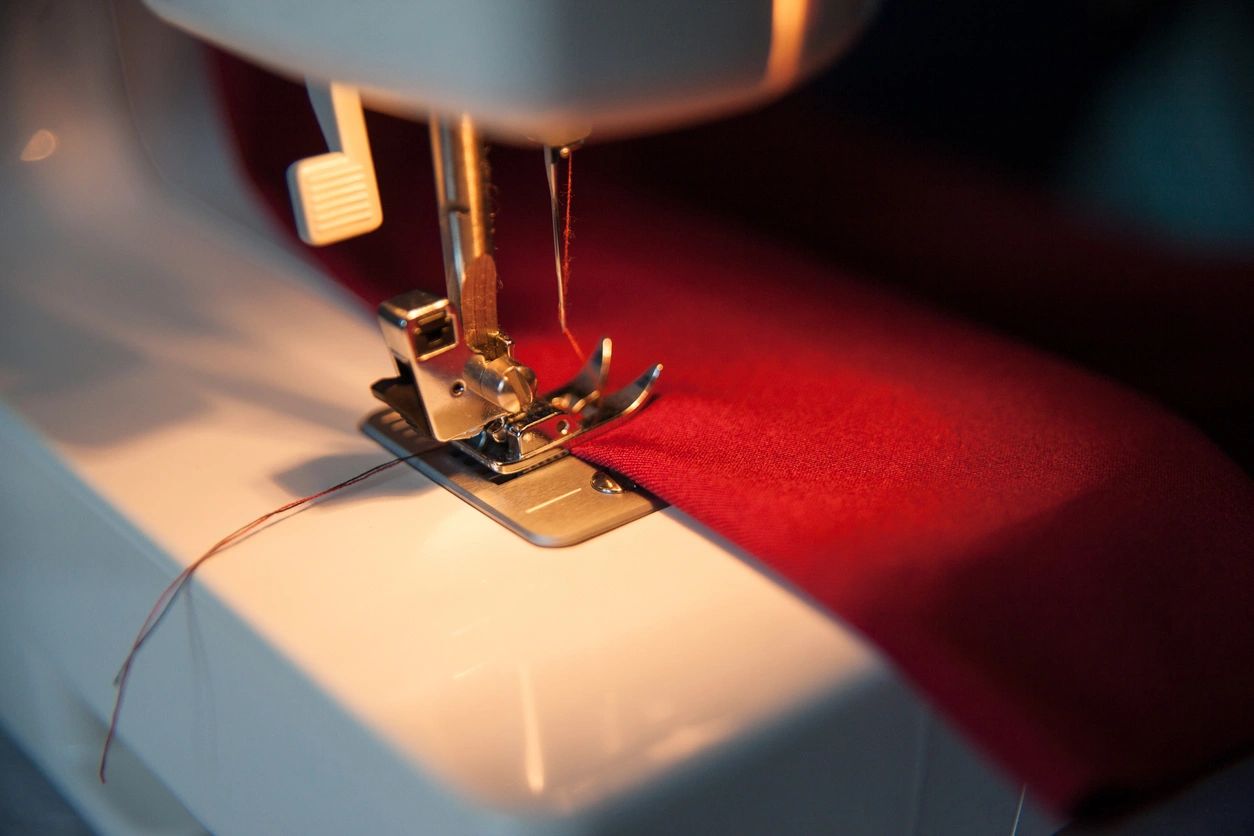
(560,504)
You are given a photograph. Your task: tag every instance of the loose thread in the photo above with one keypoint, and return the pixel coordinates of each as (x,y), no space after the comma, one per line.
(167,597)
(565,278)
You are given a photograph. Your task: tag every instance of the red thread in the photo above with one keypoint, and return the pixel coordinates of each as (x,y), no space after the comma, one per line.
(166,599)
(570,337)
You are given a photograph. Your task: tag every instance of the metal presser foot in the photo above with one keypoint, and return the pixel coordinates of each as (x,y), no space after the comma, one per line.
(469,409)
(511,464)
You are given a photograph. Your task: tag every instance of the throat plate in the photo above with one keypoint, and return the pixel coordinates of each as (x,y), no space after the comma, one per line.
(560,503)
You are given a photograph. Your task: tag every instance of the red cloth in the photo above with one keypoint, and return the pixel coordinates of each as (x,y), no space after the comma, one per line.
(1064,568)
(1170,320)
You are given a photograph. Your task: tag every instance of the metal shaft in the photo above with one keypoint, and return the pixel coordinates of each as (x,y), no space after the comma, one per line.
(461,185)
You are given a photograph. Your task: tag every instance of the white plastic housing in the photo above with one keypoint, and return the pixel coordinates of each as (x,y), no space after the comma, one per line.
(539,69)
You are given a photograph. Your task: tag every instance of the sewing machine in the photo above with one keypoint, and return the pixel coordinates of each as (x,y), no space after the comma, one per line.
(334,673)
(547,74)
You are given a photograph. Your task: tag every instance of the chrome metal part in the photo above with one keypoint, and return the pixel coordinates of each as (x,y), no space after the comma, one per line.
(556,505)
(470,277)
(433,386)
(457,378)
(540,433)
(589,383)
(461,188)
(605,483)
(501,381)
(457,395)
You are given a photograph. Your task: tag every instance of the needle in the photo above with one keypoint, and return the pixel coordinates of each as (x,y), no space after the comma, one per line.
(555,159)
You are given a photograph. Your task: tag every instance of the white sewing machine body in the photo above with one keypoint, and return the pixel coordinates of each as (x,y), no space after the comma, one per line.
(539,69)
(391,660)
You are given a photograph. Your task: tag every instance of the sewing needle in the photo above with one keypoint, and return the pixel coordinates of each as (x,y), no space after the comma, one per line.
(557,160)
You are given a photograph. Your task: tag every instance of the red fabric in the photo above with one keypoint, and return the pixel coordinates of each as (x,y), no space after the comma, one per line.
(1174,322)
(1064,568)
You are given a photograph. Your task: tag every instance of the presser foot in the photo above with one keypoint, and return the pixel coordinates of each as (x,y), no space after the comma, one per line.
(563,503)
(538,434)
(469,389)
(467,411)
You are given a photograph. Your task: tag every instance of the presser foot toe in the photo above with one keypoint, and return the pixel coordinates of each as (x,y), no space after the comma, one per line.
(543,432)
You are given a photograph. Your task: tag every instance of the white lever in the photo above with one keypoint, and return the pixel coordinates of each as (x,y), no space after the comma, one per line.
(335,195)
